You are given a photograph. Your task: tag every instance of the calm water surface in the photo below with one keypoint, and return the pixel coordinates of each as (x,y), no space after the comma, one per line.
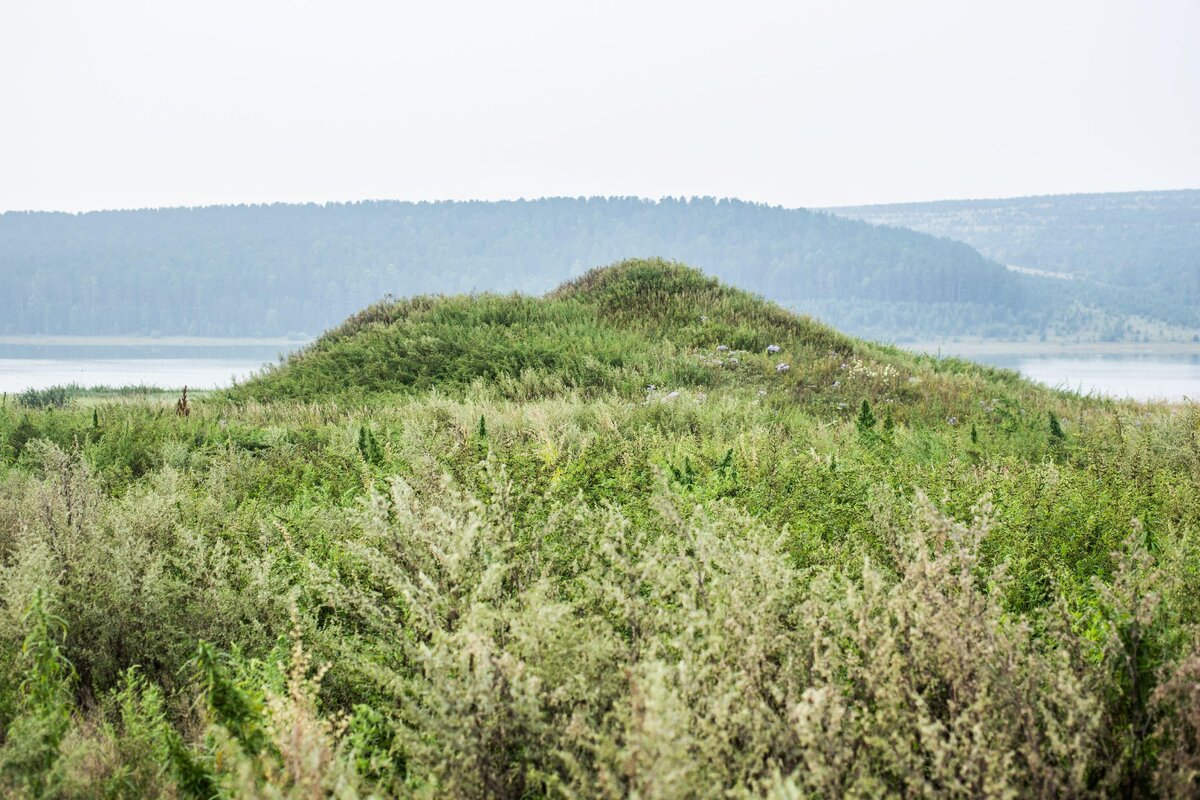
(1141,376)
(19,374)
(39,362)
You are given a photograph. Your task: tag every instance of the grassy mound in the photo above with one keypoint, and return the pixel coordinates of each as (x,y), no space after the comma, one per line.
(619,330)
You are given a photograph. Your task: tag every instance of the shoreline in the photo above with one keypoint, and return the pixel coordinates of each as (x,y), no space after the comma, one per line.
(38,340)
(987,347)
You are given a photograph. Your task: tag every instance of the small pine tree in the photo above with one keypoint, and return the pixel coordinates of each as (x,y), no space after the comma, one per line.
(865,421)
(974,434)
(888,436)
(482,427)
(368,446)
(1056,431)
(685,476)
(363,449)
(95,420)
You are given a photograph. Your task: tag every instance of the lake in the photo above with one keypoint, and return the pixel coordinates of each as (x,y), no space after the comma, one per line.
(39,362)
(1147,372)
(19,374)
(1165,372)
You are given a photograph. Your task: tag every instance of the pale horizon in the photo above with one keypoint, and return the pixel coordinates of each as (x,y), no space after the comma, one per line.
(351,201)
(138,104)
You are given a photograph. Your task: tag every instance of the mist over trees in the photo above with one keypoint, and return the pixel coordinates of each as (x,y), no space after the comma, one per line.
(278,270)
(1130,252)
(281,269)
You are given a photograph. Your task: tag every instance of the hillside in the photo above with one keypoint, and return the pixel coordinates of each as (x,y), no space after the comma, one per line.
(1129,253)
(461,547)
(615,330)
(282,269)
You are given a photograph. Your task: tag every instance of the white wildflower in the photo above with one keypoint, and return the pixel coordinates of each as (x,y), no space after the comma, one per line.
(772,349)
(782,367)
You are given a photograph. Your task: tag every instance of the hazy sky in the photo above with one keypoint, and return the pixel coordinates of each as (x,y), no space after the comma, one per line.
(132,104)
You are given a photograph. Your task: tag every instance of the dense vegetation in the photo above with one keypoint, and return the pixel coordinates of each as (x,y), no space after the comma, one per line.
(282,269)
(646,536)
(1132,253)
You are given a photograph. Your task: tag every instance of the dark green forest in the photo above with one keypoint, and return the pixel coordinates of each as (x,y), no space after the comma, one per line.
(282,269)
(1132,252)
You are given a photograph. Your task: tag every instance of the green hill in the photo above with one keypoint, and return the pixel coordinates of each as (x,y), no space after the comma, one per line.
(599,543)
(615,330)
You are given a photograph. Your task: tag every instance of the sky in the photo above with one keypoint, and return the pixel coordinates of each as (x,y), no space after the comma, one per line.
(806,103)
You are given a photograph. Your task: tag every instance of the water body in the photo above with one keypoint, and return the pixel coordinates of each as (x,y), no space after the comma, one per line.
(40,362)
(19,374)
(1150,373)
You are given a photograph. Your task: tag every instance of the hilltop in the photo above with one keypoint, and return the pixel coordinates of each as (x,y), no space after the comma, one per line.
(275,270)
(617,331)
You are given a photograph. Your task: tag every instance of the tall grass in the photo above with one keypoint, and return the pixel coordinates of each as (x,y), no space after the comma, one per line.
(531,582)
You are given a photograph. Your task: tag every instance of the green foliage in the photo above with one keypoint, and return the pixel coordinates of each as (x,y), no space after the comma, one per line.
(346,579)
(33,738)
(1056,431)
(368,446)
(52,397)
(228,703)
(865,421)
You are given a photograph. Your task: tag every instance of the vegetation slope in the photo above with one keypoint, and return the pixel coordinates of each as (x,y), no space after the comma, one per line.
(602,543)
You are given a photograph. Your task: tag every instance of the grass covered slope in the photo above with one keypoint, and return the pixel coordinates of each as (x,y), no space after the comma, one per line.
(392,568)
(616,329)
(619,330)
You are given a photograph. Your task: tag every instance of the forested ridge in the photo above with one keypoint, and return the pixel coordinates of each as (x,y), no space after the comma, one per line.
(1131,252)
(280,269)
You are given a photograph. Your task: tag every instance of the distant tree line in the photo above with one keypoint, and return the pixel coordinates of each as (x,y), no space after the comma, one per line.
(272,270)
(1132,253)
